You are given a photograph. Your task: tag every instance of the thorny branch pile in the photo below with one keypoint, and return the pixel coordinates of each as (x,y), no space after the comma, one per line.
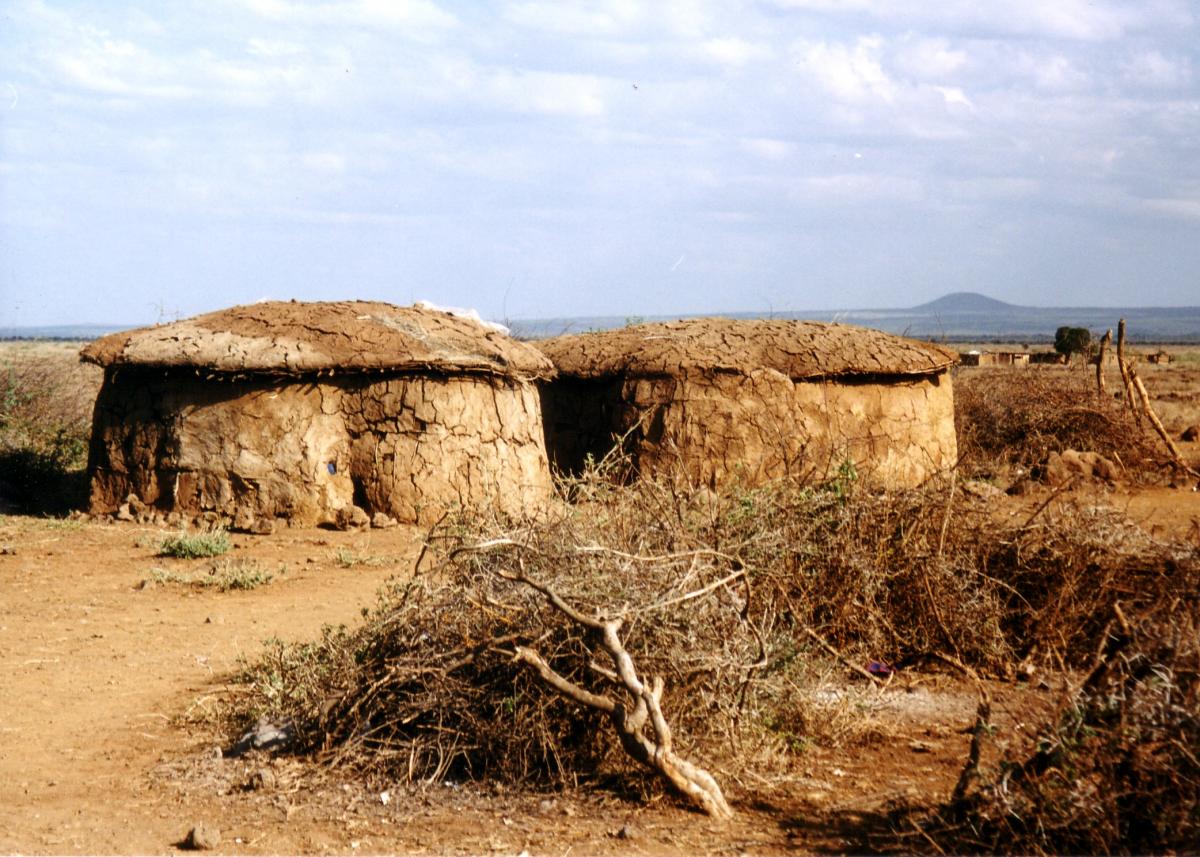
(717,596)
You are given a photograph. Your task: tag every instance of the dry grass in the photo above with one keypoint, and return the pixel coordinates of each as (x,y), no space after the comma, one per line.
(1009,420)
(730,597)
(1117,771)
(46,400)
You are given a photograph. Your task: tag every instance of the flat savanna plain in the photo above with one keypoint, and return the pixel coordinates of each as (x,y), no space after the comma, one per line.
(114,672)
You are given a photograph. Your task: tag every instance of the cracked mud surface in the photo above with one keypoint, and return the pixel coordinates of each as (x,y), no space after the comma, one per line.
(797,349)
(290,337)
(407,445)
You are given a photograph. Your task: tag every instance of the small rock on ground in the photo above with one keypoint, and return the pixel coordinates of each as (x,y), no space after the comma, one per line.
(261,780)
(202,837)
(352,518)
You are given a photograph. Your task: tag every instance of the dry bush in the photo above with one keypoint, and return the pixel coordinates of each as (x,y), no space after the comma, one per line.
(46,401)
(1008,420)
(1117,771)
(729,597)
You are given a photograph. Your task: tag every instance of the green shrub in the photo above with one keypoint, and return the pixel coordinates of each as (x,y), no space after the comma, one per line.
(197,546)
(236,574)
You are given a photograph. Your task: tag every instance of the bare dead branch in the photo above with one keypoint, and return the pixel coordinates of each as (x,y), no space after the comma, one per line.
(849,664)
(653,750)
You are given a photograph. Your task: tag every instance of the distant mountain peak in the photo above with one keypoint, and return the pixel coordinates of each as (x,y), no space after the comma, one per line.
(965,302)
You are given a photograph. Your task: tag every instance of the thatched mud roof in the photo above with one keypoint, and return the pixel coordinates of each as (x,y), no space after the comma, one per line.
(802,350)
(293,338)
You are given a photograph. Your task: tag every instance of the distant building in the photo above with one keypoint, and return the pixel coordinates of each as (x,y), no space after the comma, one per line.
(994,358)
(1048,357)
(1158,357)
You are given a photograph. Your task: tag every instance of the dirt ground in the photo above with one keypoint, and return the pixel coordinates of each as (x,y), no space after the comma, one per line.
(108,676)
(104,670)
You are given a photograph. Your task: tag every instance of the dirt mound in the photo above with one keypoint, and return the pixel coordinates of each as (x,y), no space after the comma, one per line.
(801,350)
(291,338)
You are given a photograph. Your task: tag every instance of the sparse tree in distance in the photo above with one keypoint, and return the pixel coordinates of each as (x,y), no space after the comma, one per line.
(1073,340)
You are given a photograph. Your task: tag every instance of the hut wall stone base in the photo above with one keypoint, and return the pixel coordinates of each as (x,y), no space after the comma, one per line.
(410,446)
(758,426)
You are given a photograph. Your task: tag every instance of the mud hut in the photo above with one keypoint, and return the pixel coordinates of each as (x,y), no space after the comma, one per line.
(752,399)
(287,410)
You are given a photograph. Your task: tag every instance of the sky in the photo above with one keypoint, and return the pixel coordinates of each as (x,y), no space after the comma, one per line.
(535,159)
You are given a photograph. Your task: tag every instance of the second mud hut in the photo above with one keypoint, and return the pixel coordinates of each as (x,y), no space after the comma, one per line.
(716,399)
(299,411)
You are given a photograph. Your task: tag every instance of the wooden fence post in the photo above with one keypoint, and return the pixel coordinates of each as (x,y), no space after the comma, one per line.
(1101,388)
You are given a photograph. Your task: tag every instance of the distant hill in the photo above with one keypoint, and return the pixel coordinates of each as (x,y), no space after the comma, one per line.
(68,332)
(966,302)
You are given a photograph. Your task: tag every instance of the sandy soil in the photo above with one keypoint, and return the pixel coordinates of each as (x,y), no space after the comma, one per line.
(97,667)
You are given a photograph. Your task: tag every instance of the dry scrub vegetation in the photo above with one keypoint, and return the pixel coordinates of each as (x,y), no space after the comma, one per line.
(730,598)
(1117,771)
(1013,420)
(46,400)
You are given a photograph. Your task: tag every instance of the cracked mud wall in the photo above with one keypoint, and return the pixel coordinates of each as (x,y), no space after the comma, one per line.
(299,450)
(757,426)
(424,444)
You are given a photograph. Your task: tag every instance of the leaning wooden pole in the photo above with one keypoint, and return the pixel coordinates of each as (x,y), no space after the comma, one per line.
(1157,423)
(1129,399)
(1101,388)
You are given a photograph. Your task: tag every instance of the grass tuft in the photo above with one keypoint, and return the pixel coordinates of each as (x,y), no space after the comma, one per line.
(196,546)
(223,575)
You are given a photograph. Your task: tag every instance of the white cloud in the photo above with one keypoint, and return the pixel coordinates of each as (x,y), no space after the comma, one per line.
(1054,73)
(733,51)
(771,149)
(1152,68)
(1081,20)
(394,14)
(930,59)
(92,59)
(324,162)
(953,95)
(611,18)
(551,93)
(989,189)
(858,189)
(690,20)
(849,73)
(525,113)
(273,48)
